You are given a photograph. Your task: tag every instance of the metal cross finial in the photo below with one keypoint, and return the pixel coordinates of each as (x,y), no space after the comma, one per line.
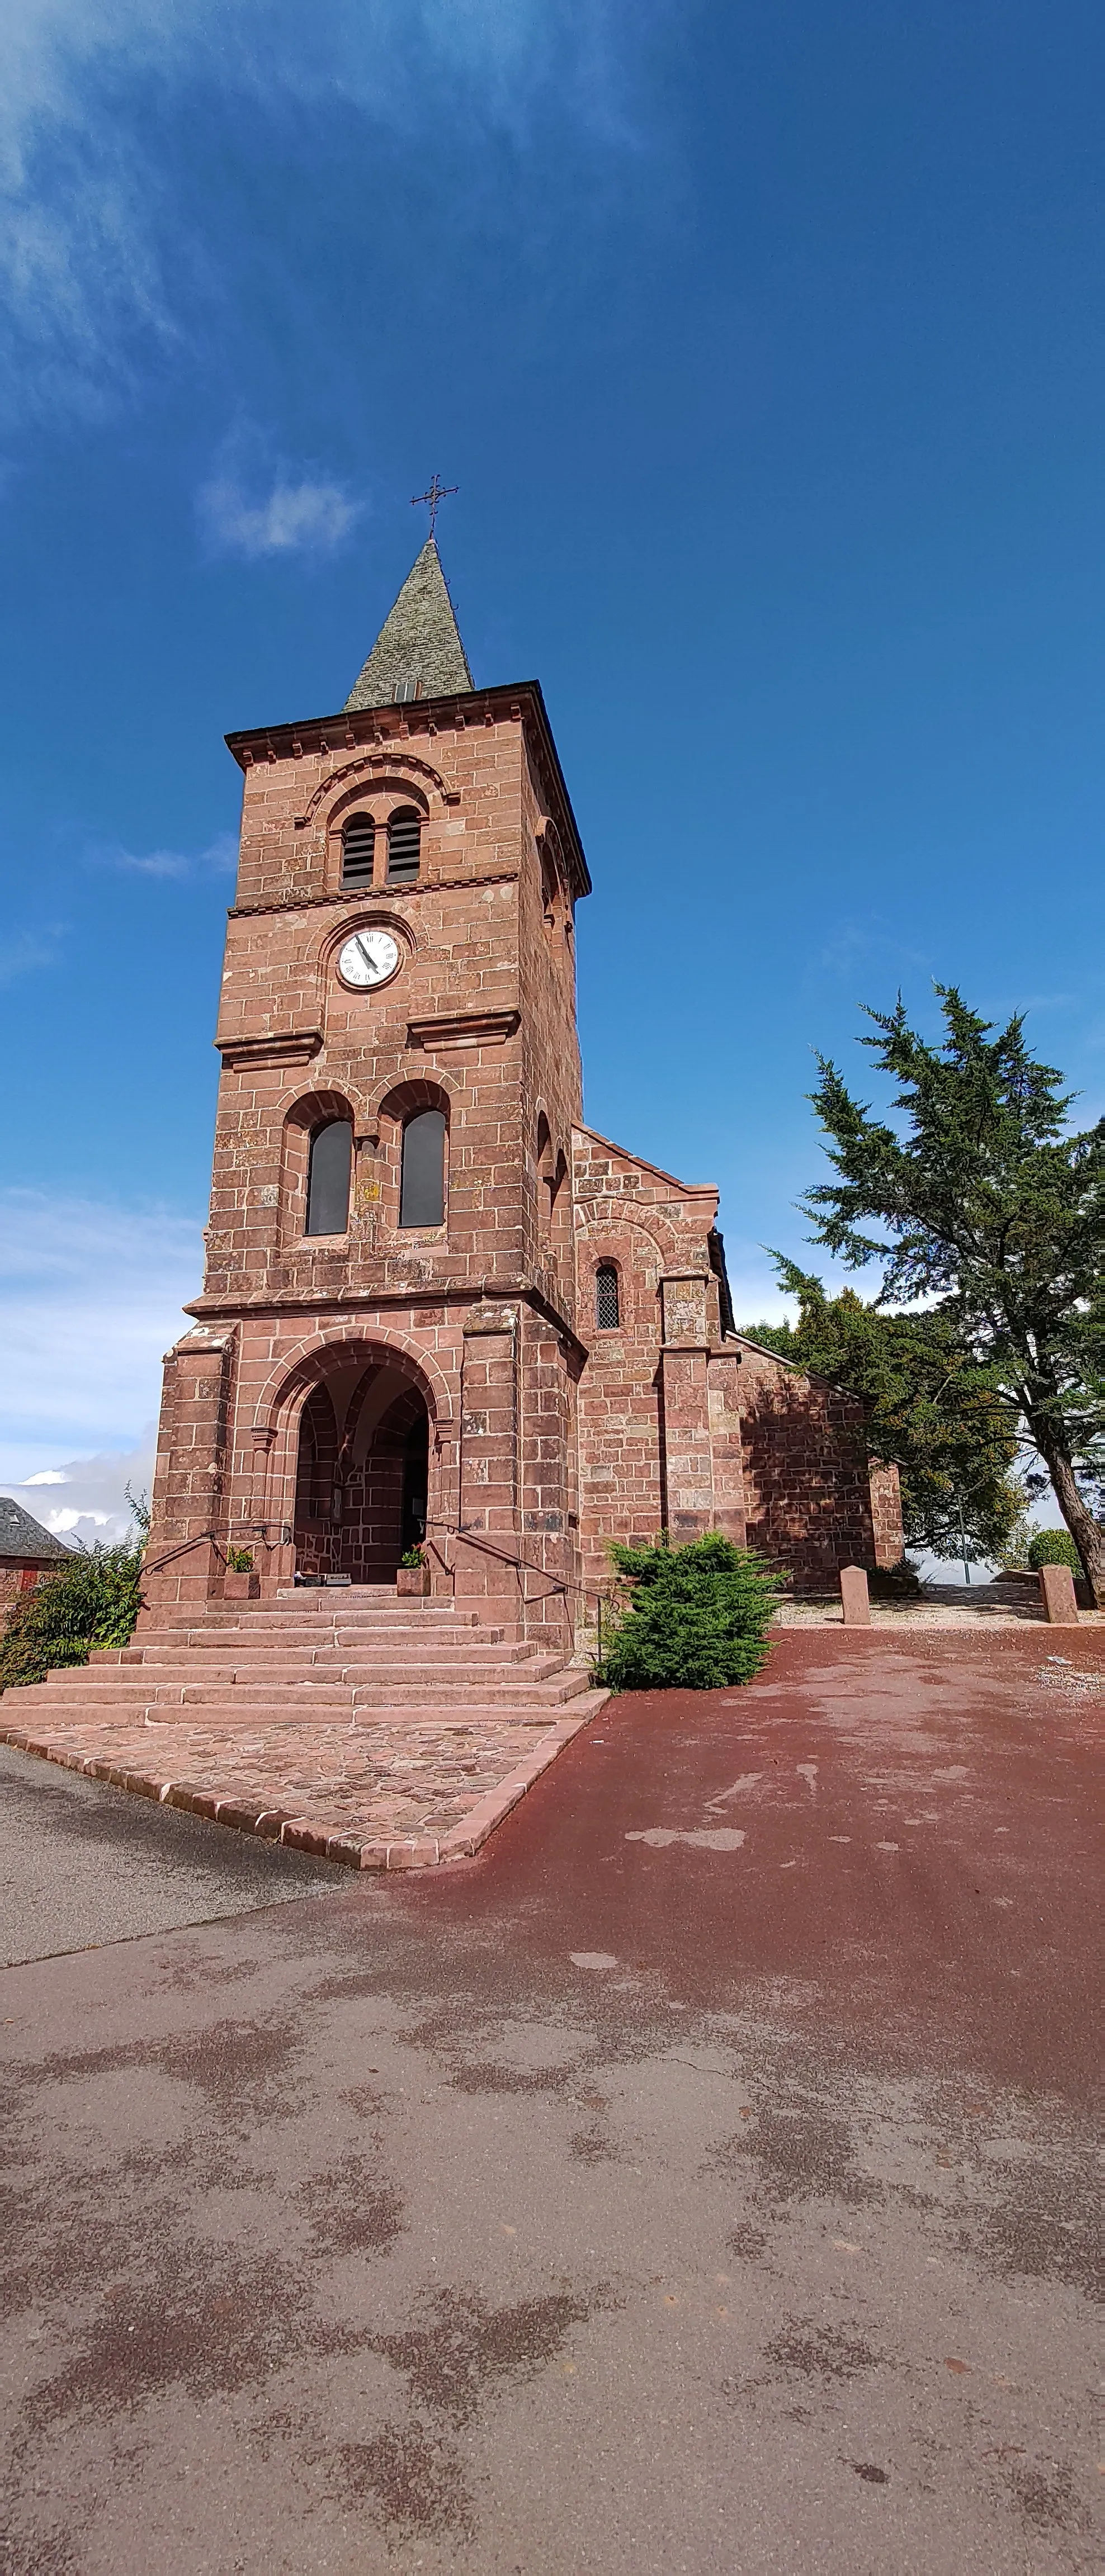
(438,492)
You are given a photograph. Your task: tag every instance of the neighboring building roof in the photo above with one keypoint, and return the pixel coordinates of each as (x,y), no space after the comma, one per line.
(23,1537)
(418,645)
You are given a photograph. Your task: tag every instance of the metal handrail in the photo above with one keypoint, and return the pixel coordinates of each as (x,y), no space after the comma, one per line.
(524,1565)
(220,1540)
(452,1529)
(153,1565)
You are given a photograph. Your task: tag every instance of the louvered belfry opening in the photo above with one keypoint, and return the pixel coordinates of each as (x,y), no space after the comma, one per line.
(404,847)
(607,1306)
(358,846)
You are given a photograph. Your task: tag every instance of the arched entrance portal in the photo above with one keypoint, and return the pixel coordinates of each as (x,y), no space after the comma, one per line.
(361,1486)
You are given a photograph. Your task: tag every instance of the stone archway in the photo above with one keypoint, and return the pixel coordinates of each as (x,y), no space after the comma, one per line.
(362,1470)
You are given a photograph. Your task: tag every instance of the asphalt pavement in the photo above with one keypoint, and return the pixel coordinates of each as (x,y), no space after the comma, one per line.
(81,1864)
(699,2180)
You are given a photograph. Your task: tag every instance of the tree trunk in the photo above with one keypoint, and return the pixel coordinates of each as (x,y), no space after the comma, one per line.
(1087,1533)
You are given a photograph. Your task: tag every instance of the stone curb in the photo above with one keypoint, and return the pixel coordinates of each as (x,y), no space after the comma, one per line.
(489,1811)
(302,1833)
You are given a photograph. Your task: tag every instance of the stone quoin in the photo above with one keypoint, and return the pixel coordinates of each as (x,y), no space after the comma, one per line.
(438,1309)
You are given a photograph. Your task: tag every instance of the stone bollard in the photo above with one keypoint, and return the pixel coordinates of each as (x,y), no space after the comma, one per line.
(854,1595)
(1057,1595)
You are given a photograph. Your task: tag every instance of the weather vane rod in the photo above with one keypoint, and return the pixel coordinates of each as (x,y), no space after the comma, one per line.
(438,492)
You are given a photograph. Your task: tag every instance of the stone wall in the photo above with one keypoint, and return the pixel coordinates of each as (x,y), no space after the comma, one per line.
(548,1435)
(807,1482)
(687,1430)
(16,1577)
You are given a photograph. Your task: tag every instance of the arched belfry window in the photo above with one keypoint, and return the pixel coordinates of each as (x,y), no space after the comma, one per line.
(404,846)
(607,1303)
(358,848)
(328,1173)
(422,1185)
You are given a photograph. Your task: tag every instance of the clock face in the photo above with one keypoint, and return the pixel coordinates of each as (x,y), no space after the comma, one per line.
(369,957)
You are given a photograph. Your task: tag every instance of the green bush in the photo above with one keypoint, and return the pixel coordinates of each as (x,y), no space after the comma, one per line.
(92,1600)
(696,1618)
(900,1582)
(1054,1547)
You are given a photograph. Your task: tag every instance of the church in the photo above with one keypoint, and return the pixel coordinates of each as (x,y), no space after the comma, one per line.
(439,1310)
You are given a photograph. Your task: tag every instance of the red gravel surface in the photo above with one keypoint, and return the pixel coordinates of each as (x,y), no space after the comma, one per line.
(698,2182)
(908,1829)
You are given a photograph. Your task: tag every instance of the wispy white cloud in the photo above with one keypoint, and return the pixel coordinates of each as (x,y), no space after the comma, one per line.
(87,199)
(25,950)
(220,858)
(865,946)
(90,1298)
(310,515)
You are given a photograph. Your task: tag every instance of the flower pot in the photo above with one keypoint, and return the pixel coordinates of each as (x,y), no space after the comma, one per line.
(241,1587)
(412,1582)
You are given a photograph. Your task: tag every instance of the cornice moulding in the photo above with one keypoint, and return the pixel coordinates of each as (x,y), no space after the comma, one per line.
(294,1046)
(466,1029)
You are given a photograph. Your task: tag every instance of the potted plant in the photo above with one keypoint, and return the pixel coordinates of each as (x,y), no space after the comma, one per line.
(240,1583)
(412,1581)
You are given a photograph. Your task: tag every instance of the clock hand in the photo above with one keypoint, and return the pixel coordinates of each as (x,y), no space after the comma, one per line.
(366,953)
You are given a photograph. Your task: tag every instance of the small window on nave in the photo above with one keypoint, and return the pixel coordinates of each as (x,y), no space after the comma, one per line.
(328,1174)
(358,846)
(422,1183)
(404,847)
(607,1303)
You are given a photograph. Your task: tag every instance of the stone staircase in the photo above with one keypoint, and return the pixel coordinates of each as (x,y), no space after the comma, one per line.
(359,1657)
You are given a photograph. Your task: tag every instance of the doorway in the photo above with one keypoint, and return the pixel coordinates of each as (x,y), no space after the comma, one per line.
(363,1474)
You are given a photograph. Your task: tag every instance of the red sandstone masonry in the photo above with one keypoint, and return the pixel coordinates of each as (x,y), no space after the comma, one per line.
(314,1723)
(272,1822)
(546,1438)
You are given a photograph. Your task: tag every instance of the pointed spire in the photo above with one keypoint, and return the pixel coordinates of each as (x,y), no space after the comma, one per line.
(419,642)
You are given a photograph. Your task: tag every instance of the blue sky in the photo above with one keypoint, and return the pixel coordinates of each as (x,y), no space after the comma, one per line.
(764,343)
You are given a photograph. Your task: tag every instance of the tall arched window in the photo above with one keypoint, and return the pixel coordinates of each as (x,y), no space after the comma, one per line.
(404,846)
(607,1306)
(358,846)
(328,1178)
(422,1188)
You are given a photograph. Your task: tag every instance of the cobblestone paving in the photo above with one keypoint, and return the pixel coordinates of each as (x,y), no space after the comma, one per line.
(369,1787)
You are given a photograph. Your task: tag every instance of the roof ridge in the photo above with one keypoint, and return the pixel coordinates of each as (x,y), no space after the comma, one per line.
(21,1534)
(613,1147)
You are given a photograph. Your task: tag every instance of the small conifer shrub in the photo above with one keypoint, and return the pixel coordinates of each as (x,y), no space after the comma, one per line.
(696,1617)
(1054,1547)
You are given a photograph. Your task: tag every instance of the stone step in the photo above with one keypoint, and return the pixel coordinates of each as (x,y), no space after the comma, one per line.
(417,1722)
(154,1682)
(333,1616)
(244,1705)
(420,1671)
(565,1685)
(320,1699)
(305,1660)
(377,1604)
(226,1648)
(214,1632)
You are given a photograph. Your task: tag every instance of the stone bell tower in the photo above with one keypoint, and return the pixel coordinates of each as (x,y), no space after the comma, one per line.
(439,1309)
(385,1345)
